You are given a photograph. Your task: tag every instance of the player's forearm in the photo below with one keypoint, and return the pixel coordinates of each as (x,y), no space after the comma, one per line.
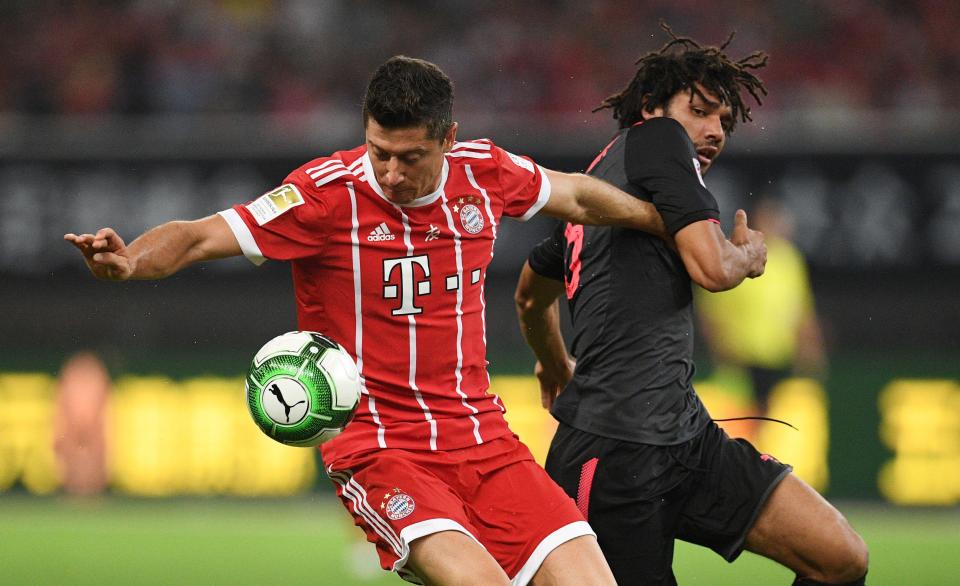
(736,264)
(726,272)
(164,250)
(602,203)
(597,202)
(538,312)
(541,330)
(715,263)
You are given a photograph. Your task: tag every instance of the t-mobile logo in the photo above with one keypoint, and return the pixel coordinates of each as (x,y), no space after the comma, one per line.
(408,279)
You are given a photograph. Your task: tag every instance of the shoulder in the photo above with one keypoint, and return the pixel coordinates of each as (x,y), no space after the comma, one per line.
(317,175)
(661,126)
(484,156)
(662,134)
(471,152)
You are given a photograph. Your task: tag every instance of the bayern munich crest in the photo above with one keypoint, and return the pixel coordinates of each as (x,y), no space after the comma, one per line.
(397,504)
(471,218)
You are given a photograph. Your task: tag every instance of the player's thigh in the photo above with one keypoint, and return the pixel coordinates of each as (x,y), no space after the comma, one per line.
(520,514)
(801,530)
(396,502)
(575,562)
(632,495)
(452,557)
(733,483)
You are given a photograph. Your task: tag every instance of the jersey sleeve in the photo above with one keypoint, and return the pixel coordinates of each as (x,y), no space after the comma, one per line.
(285,223)
(546,258)
(524,185)
(662,161)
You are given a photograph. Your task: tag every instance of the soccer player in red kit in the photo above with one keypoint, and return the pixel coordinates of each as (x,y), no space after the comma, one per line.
(389,245)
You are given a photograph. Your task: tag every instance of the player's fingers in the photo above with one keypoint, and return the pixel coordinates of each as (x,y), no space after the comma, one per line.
(78,238)
(106,233)
(107,239)
(107,258)
(740,220)
(114,264)
(546,395)
(81,243)
(107,265)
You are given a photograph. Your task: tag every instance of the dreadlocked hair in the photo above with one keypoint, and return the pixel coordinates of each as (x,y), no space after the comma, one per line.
(679,66)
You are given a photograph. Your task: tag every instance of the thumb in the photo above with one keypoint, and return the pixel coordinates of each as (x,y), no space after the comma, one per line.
(740,228)
(740,220)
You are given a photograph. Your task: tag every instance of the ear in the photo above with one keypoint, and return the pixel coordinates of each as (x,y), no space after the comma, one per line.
(646,112)
(450,137)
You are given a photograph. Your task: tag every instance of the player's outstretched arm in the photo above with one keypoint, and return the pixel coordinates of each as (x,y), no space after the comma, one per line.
(538,311)
(582,199)
(718,264)
(159,252)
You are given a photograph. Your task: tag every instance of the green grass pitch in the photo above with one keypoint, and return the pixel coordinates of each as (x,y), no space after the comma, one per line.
(308,541)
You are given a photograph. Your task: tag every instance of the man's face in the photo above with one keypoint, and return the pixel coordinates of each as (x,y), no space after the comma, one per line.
(407,163)
(706,122)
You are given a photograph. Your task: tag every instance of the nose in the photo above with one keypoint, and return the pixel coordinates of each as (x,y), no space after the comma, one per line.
(393,176)
(714,130)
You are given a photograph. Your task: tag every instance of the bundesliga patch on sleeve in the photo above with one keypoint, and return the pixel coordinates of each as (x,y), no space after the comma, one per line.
(520,161)
(696,167)
(273,203)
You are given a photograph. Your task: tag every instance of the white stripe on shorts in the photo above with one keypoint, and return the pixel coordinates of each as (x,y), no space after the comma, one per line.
(549,543)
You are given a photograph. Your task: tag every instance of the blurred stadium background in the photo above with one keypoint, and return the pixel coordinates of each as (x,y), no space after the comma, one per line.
(131,113)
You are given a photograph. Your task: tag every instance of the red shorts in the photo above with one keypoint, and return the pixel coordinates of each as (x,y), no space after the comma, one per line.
(494,492)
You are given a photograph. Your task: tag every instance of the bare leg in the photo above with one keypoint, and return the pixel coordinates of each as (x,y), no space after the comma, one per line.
(801,530)
(575,562)
(452,558)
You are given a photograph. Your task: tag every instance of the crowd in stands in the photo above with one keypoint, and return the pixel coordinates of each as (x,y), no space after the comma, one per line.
(307,56)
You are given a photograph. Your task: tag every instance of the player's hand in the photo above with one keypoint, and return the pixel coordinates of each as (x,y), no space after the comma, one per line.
(105,254)
(751,242)
(551,384)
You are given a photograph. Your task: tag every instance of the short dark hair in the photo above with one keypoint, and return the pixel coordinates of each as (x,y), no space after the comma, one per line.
(662,74)
(406,92)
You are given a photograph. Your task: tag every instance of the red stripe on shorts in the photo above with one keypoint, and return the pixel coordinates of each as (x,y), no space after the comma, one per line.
(587,471)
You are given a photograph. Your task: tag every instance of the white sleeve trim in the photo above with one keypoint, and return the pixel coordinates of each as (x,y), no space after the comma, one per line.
(549,543)
(243,235)
(541,198)
(424,528)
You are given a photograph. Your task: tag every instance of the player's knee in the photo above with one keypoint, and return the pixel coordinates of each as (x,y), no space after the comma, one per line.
(450,557)
(848,562)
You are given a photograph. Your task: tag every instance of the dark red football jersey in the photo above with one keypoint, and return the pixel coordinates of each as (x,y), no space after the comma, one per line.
(399,286)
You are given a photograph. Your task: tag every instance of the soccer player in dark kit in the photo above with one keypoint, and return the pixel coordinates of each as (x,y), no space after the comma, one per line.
(635,446)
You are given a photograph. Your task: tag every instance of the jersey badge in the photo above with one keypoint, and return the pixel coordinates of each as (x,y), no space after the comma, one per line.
(274,203)
(696,167)
(520,162)
(432,234)
(397,504)
(471,218)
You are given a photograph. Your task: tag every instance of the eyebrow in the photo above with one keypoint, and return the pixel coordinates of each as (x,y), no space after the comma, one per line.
(413,151)
(727,118)
(706,102)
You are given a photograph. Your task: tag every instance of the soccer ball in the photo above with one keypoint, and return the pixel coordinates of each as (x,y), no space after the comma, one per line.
(302,388)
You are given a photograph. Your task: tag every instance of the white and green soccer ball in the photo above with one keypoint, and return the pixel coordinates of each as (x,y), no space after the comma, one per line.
(302,388)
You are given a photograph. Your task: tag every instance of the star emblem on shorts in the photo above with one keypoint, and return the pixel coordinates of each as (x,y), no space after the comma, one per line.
(387,495)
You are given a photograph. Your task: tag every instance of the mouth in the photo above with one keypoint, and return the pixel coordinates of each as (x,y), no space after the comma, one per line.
(395,190)
(706,155)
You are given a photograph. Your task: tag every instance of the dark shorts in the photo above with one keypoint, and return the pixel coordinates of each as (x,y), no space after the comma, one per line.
(640,497)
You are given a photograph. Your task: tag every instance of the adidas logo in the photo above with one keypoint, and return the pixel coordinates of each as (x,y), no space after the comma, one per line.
(380,233)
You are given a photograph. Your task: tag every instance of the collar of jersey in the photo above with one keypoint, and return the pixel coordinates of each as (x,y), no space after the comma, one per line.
(420,201)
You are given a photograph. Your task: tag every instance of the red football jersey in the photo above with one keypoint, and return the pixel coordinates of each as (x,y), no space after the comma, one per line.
(399,286)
